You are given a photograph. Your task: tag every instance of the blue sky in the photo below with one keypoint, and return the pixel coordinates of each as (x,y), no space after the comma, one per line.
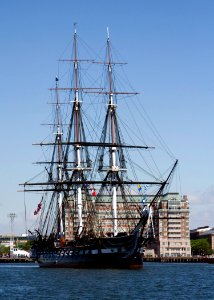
(169,46)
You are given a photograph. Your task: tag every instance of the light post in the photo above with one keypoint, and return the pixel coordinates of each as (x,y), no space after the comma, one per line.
(12,216)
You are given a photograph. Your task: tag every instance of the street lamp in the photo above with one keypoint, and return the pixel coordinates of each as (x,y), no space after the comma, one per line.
(12,216)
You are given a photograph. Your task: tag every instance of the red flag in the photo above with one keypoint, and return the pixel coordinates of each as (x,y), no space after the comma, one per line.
(93,192)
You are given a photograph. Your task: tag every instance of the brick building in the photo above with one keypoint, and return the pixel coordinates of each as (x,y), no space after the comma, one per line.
(171,223)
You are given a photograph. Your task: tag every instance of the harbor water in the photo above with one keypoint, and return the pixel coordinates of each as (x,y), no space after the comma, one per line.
(154,281)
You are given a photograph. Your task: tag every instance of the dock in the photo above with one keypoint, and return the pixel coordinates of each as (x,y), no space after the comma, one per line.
(179,259)
(15,260)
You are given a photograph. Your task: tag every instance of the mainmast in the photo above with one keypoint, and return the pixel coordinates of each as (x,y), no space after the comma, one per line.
(112,110)
(111,138)
(77,135)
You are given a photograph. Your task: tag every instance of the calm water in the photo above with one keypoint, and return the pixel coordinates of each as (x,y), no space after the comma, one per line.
(154,281)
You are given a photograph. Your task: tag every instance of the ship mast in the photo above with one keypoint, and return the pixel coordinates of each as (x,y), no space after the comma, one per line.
(112,109)
(59,160)
(77,136)
(70,175)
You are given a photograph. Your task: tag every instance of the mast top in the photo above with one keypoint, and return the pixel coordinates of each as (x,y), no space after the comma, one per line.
(108,34)
(75,29)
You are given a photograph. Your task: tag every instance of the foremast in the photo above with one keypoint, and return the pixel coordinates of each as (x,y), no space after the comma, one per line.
(59,166)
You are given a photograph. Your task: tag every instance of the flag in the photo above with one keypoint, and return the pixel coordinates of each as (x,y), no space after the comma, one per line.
(93,192)
(139,188)
(39,206)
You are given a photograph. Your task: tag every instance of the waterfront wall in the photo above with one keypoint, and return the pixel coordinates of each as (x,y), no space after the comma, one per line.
(176,259)
(15,260)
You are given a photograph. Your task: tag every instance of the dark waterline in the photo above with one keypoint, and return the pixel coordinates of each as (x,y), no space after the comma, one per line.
(154,281)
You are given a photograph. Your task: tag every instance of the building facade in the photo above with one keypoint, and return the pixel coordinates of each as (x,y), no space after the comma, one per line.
(170,223)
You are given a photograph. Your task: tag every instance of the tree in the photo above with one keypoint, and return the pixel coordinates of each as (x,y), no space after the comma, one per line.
(201,247)
(4,250)
(25,246)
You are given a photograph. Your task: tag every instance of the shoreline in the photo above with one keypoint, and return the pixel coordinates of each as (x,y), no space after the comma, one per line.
(179,259)
(15,260)
(145,259)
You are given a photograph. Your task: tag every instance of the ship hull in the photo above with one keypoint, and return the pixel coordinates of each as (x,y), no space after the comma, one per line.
(117,252)
(96,261)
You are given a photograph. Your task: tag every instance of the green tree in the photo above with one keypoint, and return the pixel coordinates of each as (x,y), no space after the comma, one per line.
(25,246)
(4,250)
(201,247)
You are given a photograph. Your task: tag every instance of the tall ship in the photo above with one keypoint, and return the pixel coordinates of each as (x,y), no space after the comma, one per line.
(88,216)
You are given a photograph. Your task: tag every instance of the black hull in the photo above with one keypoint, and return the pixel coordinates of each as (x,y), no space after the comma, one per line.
(95,262)
(117,252)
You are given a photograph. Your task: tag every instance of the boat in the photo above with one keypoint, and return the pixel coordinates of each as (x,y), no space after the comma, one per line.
(88,216)
(16,252)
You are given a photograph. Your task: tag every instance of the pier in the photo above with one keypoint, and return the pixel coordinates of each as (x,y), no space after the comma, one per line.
(176,259)
(15,260)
